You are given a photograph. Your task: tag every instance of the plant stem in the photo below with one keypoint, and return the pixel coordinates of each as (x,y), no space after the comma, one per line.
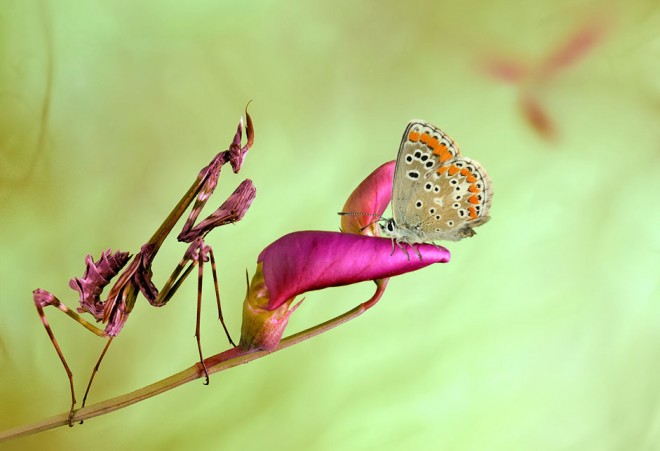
(219,362)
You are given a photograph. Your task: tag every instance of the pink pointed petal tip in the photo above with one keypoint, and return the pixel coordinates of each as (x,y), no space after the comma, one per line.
(312,260)
(368,201)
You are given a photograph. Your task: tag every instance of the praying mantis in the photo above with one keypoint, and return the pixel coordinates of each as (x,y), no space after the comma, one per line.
(136,277)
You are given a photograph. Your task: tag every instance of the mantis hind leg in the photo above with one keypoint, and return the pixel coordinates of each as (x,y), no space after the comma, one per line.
(95,370)
(43,298)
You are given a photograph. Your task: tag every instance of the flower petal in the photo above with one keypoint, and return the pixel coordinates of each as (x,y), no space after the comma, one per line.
(312,260)
(368,201)
(537,117)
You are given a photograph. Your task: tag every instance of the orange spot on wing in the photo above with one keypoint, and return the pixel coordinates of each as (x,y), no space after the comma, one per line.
(473,199)
(446,156)
(413,136)
(433,143)
(471,179)
(465,172)
(473,188)
(424,138)
(473,213)
(453,169)
(442,169)
(440,149)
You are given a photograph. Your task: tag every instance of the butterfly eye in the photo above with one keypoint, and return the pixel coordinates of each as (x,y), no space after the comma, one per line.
(390,227)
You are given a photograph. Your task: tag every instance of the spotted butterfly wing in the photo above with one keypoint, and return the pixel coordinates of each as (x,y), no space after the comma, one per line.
(437,193)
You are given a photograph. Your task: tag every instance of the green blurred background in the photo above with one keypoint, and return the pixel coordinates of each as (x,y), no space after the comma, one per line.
(542,333)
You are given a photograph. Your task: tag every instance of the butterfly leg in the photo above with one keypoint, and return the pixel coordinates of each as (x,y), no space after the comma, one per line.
(416,250)
(400,246)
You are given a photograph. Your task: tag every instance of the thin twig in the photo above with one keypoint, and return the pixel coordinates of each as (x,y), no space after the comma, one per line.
(219,362)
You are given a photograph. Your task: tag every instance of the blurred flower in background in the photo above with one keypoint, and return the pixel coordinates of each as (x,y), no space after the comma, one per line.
(534,79)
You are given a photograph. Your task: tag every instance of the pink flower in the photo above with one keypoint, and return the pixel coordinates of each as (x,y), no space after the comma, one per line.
(368,201)
(310,260)
(313,260)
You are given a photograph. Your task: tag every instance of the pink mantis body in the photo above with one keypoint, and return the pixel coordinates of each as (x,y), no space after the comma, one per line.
(136,277)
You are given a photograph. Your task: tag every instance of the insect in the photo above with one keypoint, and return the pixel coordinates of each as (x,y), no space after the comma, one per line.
(437,194)
(136,277)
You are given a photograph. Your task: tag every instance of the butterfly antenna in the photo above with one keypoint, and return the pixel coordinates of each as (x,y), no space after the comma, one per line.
(351,213)
(369,225)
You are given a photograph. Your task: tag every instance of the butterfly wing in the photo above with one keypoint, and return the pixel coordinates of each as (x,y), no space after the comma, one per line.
(465,203)
(437,193)
(423,147)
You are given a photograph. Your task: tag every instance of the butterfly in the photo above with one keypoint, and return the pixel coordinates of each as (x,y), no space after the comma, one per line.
(437,194)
